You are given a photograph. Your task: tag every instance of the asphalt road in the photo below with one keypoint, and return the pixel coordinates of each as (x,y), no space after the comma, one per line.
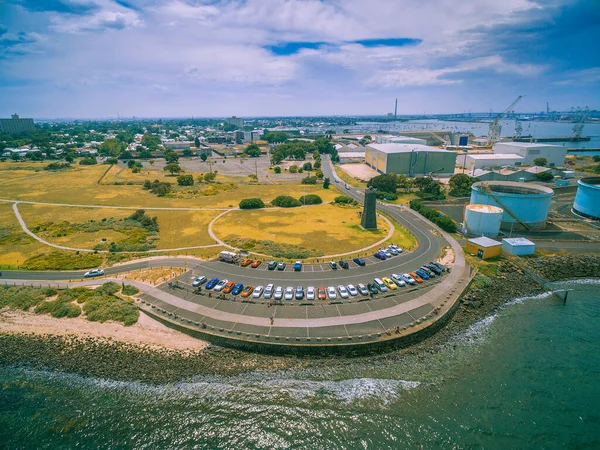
(428,249)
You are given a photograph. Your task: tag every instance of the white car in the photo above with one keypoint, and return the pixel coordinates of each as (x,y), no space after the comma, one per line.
(409,279)
(380,285)
(395,247)
(278,294)
(353,291)
(331,293)
(343,291)
(392,251)
(199,281)
(94,273)
(220,285)
(398,280)
(268,291)
(289,293)
(310,293)
(257,292)
(363,289)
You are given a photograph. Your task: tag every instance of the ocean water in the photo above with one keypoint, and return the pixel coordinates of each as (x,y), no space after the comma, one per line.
(526,377)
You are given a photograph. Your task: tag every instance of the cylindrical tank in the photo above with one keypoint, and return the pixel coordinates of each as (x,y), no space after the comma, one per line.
(482,220)
(587,200)
(525,205)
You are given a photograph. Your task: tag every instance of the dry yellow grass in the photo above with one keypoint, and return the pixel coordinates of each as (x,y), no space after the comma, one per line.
(153,276)
(183,228)
(328,228)
(16,246)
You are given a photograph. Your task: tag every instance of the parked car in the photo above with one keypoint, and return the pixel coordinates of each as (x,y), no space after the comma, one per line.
(256,263)
(299,293)
(278,294)
(281,265)
(258,290)
(417,278)
(422,274)
(372,287)
(362,289)
(228,287)
(395,247)
(392,251)
(433,269)
(333,265)
(429,272)
(352,290)
(94,273)
(331,293)
(268,291)
(289,293)
(380,285)
(380,255)
(321,293)
(245,262)
(343,291)
(344,264)
(237,289)
(439,266)
(220,285)
(199,281)
(387,253)
(297,266)
(272,265)
(410,280)
(389,283)
(359,261)
(398,280)
(310,293)
(247,291)
(212,283)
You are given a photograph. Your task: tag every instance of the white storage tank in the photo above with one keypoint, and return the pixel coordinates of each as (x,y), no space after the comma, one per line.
(587,200)
(482,220)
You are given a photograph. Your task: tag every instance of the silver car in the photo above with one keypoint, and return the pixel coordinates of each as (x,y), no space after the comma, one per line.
(258,290)
(410,280)
(353,291)
(343,291)
(289,293)
(310,293)
(363,289)
(268,291)
(220,285)
(399,280)
(331,293)
(93,273)
(278,295)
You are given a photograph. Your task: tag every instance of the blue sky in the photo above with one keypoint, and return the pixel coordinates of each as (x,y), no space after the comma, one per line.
(173,58)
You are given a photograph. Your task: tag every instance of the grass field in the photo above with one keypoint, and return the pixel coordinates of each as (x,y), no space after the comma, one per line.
(350,180)
(15,245)
(322,230)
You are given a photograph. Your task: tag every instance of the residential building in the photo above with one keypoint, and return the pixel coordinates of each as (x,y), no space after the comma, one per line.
(16,125)
(237,121)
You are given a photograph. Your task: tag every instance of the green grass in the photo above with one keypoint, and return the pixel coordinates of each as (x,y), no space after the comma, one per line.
(59,260)
(102,308)
(23,297)
(129,290)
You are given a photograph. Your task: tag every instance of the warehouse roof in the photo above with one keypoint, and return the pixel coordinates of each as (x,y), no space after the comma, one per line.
(406,148)
(528,144)
(484,242)
(491,156)
(518,242)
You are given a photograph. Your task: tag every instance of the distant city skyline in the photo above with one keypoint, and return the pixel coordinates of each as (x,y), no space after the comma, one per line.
(150,58)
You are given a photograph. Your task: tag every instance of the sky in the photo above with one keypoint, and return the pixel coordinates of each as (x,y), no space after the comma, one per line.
(215,58)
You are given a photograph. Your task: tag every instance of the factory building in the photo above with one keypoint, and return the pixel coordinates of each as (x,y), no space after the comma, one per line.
(410,159)
(518,246)
(16,125)
(554,154)
(484,247)
(587,199)
(390,139)
(471,162)
(525,205)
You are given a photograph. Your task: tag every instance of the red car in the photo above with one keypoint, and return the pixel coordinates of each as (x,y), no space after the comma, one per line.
(321,293)
(255,263)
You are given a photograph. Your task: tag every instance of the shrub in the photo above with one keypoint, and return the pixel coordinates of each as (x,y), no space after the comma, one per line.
(252,203)
(343,199)
(210,177)
(88,161)
(444,222)
(309,180)
(382,195)
(326,183)
(310,199)
(544,176)
(160,188)
(319,174)
(108,307)
(385,182)
(307,166)
(285,201)
(460,185)
(293,168)
(277,169)
(127,289)
(56,166)
(185,180)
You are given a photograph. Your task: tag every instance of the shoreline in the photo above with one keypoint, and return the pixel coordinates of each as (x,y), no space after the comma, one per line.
(163,360)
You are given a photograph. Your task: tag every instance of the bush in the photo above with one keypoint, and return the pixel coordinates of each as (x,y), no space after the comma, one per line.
(160,188)
(129,290)
(460,185)
(544,176)
(309,180)
(307,166)
(310,199)
(385,182)
(343,200)
(444,222)
(293,168)
(185,180)
(326,183)
(277,169)
(56,166)
(319,174)
(252,203)
(210,177)
(382,195)
(108,307)
(285,201)
(88,161)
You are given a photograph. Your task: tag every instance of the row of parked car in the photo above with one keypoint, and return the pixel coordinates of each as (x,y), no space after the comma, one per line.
(271,291)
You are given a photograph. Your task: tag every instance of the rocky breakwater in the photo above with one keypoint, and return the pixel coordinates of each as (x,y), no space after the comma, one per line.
(565,267)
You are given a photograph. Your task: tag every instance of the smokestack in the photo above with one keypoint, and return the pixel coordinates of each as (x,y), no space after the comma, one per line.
(396,110)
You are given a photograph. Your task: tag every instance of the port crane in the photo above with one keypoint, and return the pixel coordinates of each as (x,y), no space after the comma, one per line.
(495,127)
(578,127)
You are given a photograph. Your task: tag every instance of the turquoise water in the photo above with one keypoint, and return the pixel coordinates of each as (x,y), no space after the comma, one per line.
(526,377)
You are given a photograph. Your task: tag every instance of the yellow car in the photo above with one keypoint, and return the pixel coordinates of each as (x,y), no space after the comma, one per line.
(389,283)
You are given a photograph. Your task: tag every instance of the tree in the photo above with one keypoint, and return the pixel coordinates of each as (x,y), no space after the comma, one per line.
(309,180)
(252,203)
(433,191)
(285,201)
(343,199)
(293,168)
(307,166)
(151,141)
(544,176)
(540,161)
(310,199)
(171,157)
(319,174)
(111,147)
(200,178)
(326,183)
(145,153)
(277,169)
(197,142)
(385,182)
(185,180)
(460,184)
(68,158)
(252,150)
(210,177)
(173,168)
(203,157)
(317,164)
(187,153)
(131,164)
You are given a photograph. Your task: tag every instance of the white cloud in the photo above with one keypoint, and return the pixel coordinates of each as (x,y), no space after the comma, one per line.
(96,21)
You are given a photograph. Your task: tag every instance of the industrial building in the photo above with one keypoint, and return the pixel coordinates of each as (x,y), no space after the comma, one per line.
(554,154)
(16,125)
(587,199)
(390,139)
(177,145)
(410,159)
(518,246)
(471,162)
(237,121)
(525,205)
(484,247)
(482,220)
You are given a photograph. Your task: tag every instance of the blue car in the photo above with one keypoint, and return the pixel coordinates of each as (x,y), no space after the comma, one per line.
(359,261)
(380,256)
(212,283)
(237,289)
(422,274)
